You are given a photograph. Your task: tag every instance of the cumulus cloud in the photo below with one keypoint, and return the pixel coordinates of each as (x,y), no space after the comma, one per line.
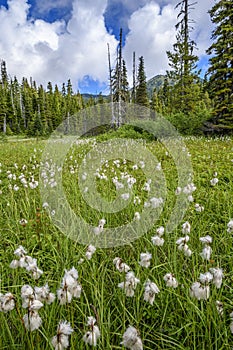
(52,51)
(77,48)
(152,33)
(118,13)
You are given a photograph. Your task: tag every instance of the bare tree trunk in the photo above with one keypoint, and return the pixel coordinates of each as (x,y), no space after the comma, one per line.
(4,124)
(113,119)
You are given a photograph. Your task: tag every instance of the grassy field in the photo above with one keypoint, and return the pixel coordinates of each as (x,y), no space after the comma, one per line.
(177,315)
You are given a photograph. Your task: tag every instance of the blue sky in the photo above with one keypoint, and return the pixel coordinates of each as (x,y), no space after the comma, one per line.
(57,40)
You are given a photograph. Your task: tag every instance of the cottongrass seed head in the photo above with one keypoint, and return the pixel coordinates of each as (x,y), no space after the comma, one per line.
(131,339)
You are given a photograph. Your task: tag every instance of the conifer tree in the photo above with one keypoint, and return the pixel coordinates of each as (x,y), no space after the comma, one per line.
(183,62)
(120,85)
(220,72)
(141,89)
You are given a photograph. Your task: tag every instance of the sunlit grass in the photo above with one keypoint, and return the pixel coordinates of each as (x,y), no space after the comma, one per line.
(175,320)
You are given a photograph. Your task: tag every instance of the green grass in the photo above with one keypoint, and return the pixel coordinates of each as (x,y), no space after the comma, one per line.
(175,320)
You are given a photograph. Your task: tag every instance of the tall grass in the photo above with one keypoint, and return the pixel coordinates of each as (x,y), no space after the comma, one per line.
(175,320)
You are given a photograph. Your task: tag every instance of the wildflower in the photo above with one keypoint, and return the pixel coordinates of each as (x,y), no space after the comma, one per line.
(182,245)
(90,251)
(120,265)
(131,339)
(157,240)
(7,302)
(20,251)
(100,227)
(214,181)
(69,287)
(32,320)
(137,215)
(14,264)
(131,181)
(219,307)
(61,340)
(16,188)
(178,191)
(206,252)
(230,226)
(160,231)
(150,290)
(156,202)
(136,200)
(33,184)
(27,262)
(33,268)
(64,296)
(142,164)
(130,284)
(23,222)
(186,227)
(117,184)
(189,188)
(44,294)
(217,274)
(170,280)
(27,294)
(199,292)
(91,336)
(190,198)
(45,205)
(198,207)
(182,240)
(145,259)
(205,277)
(207,239)
(146,186)
(125,196)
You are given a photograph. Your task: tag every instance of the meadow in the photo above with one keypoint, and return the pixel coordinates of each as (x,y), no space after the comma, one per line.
(164,290)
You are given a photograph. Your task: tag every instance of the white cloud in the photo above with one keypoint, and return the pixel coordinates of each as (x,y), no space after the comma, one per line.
(48,51)
(58,51)
(203,26)
(152,33)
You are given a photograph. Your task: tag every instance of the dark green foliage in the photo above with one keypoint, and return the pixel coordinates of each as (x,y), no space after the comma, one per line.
(124,131)
(183,63)
(141,88)
(220,71)
(26,109)
(120,85)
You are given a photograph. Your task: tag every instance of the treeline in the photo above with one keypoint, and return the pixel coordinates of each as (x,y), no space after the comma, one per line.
(31,110)
(191,104)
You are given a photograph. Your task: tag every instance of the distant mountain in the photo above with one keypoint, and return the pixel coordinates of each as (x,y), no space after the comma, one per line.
(155,83)
(94,96)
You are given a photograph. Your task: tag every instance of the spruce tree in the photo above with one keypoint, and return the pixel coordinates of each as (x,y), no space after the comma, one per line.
(141,89)
(220,72)
(120,85)
(183,62)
